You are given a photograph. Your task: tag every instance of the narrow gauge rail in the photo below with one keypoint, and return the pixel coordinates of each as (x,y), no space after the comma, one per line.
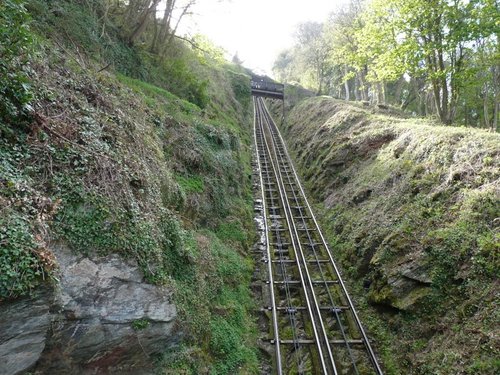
(314,326)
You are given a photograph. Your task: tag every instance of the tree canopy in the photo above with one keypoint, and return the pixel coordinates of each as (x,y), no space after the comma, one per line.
(429,57)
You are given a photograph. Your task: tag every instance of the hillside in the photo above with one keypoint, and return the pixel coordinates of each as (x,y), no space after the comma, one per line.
(126,209)
(127,236)
(411,209)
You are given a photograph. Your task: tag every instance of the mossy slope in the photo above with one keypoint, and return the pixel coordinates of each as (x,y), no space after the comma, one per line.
(411,210)
(109,163)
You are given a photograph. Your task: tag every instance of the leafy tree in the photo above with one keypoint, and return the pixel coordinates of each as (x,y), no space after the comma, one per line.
(431,57)
(314,49)
(236,59)
(432,39)
(342,28)
(285,67)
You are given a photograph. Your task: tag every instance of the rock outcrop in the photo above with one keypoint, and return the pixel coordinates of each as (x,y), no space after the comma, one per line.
(100,318)
(23,331)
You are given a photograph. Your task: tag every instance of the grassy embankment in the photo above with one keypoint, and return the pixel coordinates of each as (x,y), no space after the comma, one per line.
(412,212)
(126,154)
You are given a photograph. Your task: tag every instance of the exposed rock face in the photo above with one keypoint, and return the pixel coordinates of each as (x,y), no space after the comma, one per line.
(23,331)
(90,324)
(402,284)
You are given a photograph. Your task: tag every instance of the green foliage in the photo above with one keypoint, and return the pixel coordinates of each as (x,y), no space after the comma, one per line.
(486,366)
(185,83)
(15,42)
(469,238)
(130,167)
(81,28)
(86,222)
(232,231)
(78,27)
(152,93)
(207,51)
(140,324)
(178,251)
(427,57)
(308,61)
(24,261)
(90,222)
(227,346)
(191,184)
(20,269)
(241,88)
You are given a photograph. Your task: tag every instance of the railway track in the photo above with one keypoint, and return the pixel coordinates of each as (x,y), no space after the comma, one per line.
(314,328)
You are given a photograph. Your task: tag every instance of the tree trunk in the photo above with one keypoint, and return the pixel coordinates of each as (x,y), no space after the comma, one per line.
(184,12)
(357,87)
(165,26)
(446,118)
(496,106)
(142,23)
(485,106)
(373,93)
(496,114)
(132,10)
(380,97)
(346,84)
(397,92)
(155,34)
(364,87)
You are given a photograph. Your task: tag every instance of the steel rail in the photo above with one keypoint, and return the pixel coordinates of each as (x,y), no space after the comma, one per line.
(281,161)
(297,343)
(277,234)
(279,367)
(315,312)
(301,276)
(366,341)
(307,231)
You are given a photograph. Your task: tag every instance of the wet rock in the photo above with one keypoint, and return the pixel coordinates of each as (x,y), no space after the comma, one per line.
(23,331)
(92,326)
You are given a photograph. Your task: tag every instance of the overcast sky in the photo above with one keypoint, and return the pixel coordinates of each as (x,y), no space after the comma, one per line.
(256,29)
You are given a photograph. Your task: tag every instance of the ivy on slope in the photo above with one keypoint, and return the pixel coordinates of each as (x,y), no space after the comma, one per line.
(107,163)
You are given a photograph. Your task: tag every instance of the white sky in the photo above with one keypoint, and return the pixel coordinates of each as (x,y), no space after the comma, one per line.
(257,29)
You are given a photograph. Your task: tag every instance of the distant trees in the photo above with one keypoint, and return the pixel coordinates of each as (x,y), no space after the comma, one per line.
(431,57)
(236,59)
(316,50)
(307,63)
